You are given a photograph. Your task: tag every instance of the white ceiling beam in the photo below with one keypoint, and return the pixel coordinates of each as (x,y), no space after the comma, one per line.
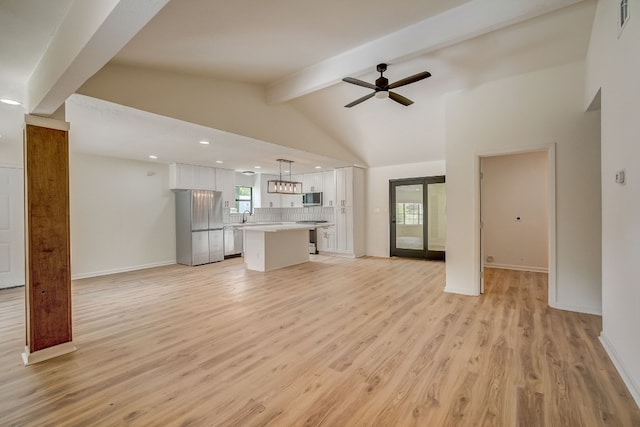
(90,35)
(467,21)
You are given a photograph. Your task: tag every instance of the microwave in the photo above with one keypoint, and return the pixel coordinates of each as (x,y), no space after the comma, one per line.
(312,199)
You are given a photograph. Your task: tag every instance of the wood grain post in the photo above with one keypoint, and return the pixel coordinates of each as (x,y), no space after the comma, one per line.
(47,241)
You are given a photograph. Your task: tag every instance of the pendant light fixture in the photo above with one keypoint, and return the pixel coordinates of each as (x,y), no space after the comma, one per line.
(284,186)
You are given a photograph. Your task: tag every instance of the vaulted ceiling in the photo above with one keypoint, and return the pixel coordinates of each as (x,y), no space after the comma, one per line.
(293,54)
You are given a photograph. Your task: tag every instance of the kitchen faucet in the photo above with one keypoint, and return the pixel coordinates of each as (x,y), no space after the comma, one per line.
(244,219)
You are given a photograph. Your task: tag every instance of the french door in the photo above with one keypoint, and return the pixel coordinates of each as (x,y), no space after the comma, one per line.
(417,217)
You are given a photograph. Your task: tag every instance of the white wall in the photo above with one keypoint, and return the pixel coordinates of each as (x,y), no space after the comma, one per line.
(531,110)
(378,199)
(515,186)
(234,107)
(122,215)
(613,66)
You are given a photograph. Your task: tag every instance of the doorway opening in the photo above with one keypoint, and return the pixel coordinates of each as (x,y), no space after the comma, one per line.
(517,213)
(417,217)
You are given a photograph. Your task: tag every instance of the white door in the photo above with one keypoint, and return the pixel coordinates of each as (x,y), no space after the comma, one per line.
(11,227)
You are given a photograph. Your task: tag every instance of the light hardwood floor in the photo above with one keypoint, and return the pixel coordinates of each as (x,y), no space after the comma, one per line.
(335,342)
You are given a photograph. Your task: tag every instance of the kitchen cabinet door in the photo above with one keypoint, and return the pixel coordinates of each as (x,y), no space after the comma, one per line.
(226,183)
(344,236)
(326,239)
(349,213)
(328,189)
(205,178)
(313,182)
(190,177)
(182,177)
(344,187)
(294,200)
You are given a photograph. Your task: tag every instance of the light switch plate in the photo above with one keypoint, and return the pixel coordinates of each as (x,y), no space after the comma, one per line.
(620,177)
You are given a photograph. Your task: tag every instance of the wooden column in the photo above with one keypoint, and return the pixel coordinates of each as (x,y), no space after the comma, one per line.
(47,241)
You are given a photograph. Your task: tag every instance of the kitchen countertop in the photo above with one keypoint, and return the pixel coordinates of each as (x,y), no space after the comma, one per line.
(274,228)
(252,225)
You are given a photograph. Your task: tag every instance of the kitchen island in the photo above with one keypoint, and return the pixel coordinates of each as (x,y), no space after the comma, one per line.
(270,247)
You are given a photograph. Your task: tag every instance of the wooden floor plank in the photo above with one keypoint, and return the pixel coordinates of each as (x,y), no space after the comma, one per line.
(337,342)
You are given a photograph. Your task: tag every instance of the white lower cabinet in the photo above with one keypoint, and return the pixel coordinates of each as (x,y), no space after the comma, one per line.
(326,239)
(344,230)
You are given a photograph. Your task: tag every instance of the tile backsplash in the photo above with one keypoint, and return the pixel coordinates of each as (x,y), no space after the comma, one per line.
(317,213)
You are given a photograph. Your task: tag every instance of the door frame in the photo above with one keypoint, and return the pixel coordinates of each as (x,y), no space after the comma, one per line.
(17,238)
(414,253)
(551,207)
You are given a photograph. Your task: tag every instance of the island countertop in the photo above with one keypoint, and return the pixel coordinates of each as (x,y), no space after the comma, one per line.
(287,226)
(274,228)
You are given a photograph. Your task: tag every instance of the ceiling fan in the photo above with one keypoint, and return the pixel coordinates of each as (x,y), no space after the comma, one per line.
(382,86)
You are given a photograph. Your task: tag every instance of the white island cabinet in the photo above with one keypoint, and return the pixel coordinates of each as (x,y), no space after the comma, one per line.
(270,247)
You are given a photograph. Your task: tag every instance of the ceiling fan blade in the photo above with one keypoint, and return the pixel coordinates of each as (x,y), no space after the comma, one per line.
(359,100)
(400,99)
(359,82)
(412,79)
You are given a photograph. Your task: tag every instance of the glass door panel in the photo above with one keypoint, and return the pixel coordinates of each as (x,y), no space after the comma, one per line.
(409,217)
(436,219)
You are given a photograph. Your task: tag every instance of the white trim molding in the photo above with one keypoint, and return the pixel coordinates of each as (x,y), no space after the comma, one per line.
(46,122)
(517,267)
(634,388)
(120,270)
(47,353)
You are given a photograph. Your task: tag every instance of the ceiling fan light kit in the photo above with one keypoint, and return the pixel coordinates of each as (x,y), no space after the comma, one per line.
(382,86)
(283,186)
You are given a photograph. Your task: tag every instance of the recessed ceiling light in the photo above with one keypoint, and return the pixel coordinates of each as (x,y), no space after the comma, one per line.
(256,167)
(203,142)
(219,161)
(318,167)
(10,101)
(153,157)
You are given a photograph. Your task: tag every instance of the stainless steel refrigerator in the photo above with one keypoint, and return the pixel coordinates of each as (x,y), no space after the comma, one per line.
(199,227)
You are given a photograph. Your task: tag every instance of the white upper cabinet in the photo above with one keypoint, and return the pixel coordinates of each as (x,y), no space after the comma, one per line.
(294,200)
(313,182)
(190,177)
(344,187)
(226,182)
(328,189)
(268,200)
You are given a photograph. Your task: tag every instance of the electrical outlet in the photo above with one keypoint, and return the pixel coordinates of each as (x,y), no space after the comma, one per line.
(620,177)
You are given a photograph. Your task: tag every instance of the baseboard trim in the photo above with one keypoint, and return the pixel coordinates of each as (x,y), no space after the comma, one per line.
(121,270)
(577,309)
(518,267)
(633,388)
(47,353)
(460,291)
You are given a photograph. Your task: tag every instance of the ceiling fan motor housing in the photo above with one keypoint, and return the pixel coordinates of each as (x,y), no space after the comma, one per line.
(382,83)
